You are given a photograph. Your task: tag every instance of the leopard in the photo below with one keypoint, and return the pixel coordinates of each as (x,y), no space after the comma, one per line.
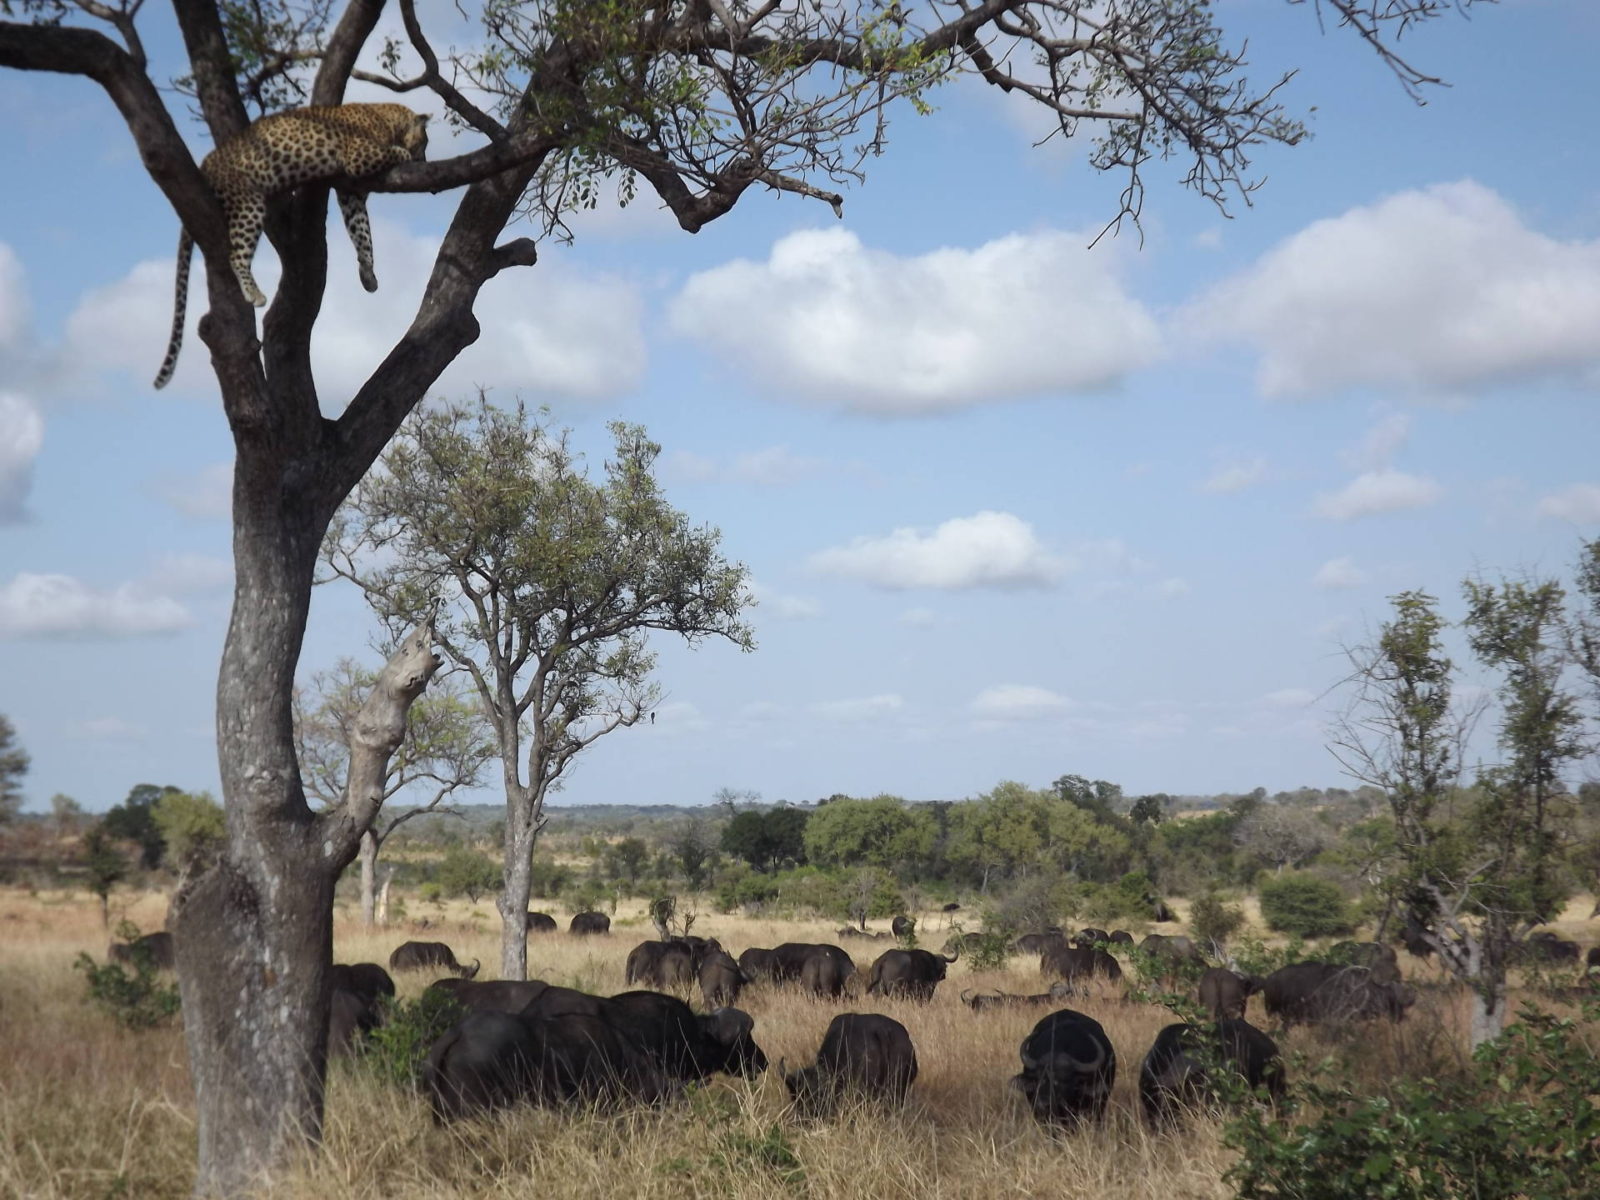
(282,151)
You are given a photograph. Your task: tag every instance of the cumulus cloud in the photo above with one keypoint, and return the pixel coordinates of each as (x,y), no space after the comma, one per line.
(865,708)
(1377,492)
(988,549)
(1579,503)
(1017,702)
(1236,477)
(1289,698)
(783,607)
(1339,573)
(58,605)
(548,331)
(1438,290)
(21,438)
(864,329)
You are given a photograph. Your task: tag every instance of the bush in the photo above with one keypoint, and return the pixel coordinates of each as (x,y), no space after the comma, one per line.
(395,1049)
(1521,1122)
(136,1000)
(1305,906)
(1213,921)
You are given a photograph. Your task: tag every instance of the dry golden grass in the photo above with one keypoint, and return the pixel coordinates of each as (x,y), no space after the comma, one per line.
(88,1110)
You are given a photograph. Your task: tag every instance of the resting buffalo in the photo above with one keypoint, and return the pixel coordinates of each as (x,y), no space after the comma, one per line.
(490,995)
(910,973)
(490,1060)
(586,923)
(1173,956)
(864,1056)
(1546,947)
(1319,991)
(1176,1073)
(1068,1068)
(669,966)
(686,1046)
(415,956)
(903,927)
(757,964)
(983,1001)
(1075,963)
(862,934)
(154,948)
(1121,937)
(1381,960)
(539,922)
(367,979)
(1224,993)
(721,979)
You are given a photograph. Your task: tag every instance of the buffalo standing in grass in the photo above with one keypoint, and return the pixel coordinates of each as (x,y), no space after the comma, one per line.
(1068,1069)
(1381,960)
(1546,947)
(1225,993)
(984,1001)
(1035,943)
(1121,937)
(758,964)
(539,922)
(668,965)
(864,1057)
(1078,963)
(418,956)
(154,948)
(721,979)
(1319,992)
(1089,938)
(589,924)
(910,973)
(1179,1070)
(820,969)
(366,978)
(1173,957)
(903,927)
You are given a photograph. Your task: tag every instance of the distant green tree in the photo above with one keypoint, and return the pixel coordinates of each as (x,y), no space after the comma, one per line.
(694,852)
(768,839)
(133,821)
(106,866)
(1305,906)
(467,872)
(1149,809)
(66,813)
(880,832)
(625,860)
(14,763)
(192,826)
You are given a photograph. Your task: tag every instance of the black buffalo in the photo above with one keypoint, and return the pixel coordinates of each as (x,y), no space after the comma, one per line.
(863,1057)
(983,1001)
(1591,961)
(1068,1069)
(820,969)
(586,923)
(490,1060)
(957,942)
(668,965)
(1035,943)
(1328,992)
(1381,960)
(865,935)
(1121,937)
(903,927)
(721,979)
(365,978)
(1546,947)
(1179,1070)
(490,995)
(757,964)
(351,1016)
(681,1044)
(154,948)
(1091,937)
(910,973)
(417,956)
(1225,993)
(1074,963)
(1173,956)
(539,922)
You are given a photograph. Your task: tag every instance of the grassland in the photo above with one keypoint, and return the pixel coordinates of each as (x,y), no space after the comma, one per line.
(90,1110)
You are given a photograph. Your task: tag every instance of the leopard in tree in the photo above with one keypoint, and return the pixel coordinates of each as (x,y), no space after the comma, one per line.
(282,151)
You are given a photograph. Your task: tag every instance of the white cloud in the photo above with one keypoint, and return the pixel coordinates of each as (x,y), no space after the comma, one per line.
(864,329)
(1378,492)
(865,708)
(57,605)
(783,607)
(1236,477)
(918,618)
(545,331)
(206,494)
(1017,702)
(1339,573)
(1174,587)
(988,549)
(182,574)
(1381,443)
(21,438)
(1438,290)
(1579,503)
(1289,698)
(15,310)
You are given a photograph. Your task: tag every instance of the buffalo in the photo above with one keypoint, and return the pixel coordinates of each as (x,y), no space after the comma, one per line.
(686,1046)
(757,964)
(351,1016)
(1546,947)
(824,975)
(1381,960)
(1073,963)
(903,927)
(1328,992)
(1035,943)
(416,956)
(1178,1070)
(585,924)
(958,942)
(1121,937)
(861,934)
(1068,1069)
(819,968)
(668,965)
(1591,961)
(490,995)
(365,978)
(1173,956)
(1089,938)
(983,1001)
(1224,993)
(863,1057)
(721,979)
(490,1060)
(539,922)
(153,948)
(910,973)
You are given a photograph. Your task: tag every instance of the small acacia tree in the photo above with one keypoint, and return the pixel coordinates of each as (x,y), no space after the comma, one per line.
(552,582)
(446,747)
(702,100)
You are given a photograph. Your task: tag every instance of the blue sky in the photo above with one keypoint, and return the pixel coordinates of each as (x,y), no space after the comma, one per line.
(1014,507)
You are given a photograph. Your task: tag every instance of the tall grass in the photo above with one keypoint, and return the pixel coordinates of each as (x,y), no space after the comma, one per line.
(90,1110)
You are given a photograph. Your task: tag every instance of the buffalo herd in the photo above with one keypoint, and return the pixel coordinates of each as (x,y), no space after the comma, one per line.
(516,1042)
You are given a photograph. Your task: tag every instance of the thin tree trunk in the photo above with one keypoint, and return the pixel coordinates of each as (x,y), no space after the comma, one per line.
(522,830)
(369,871)
(383,897)
(1488,1015)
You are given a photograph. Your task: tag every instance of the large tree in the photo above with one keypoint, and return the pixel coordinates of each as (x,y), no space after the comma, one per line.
(13,766)
(701,99)
(551,583)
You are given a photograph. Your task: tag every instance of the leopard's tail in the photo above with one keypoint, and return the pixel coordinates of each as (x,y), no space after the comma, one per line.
(180,307)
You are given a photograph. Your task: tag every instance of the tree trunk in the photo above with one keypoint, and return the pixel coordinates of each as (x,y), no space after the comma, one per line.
(383,898)
(369,872)
(1488,1015)
(522,831)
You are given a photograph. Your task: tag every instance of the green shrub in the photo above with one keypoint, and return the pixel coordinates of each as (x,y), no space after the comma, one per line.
(1305,906)
(394,1050)
(1213,921)
(135,1000)
(1521,1123)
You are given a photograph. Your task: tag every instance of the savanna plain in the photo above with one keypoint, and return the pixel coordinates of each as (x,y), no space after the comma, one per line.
(89,1109)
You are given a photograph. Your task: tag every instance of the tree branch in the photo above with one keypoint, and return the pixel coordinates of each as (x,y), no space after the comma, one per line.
(344,47)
